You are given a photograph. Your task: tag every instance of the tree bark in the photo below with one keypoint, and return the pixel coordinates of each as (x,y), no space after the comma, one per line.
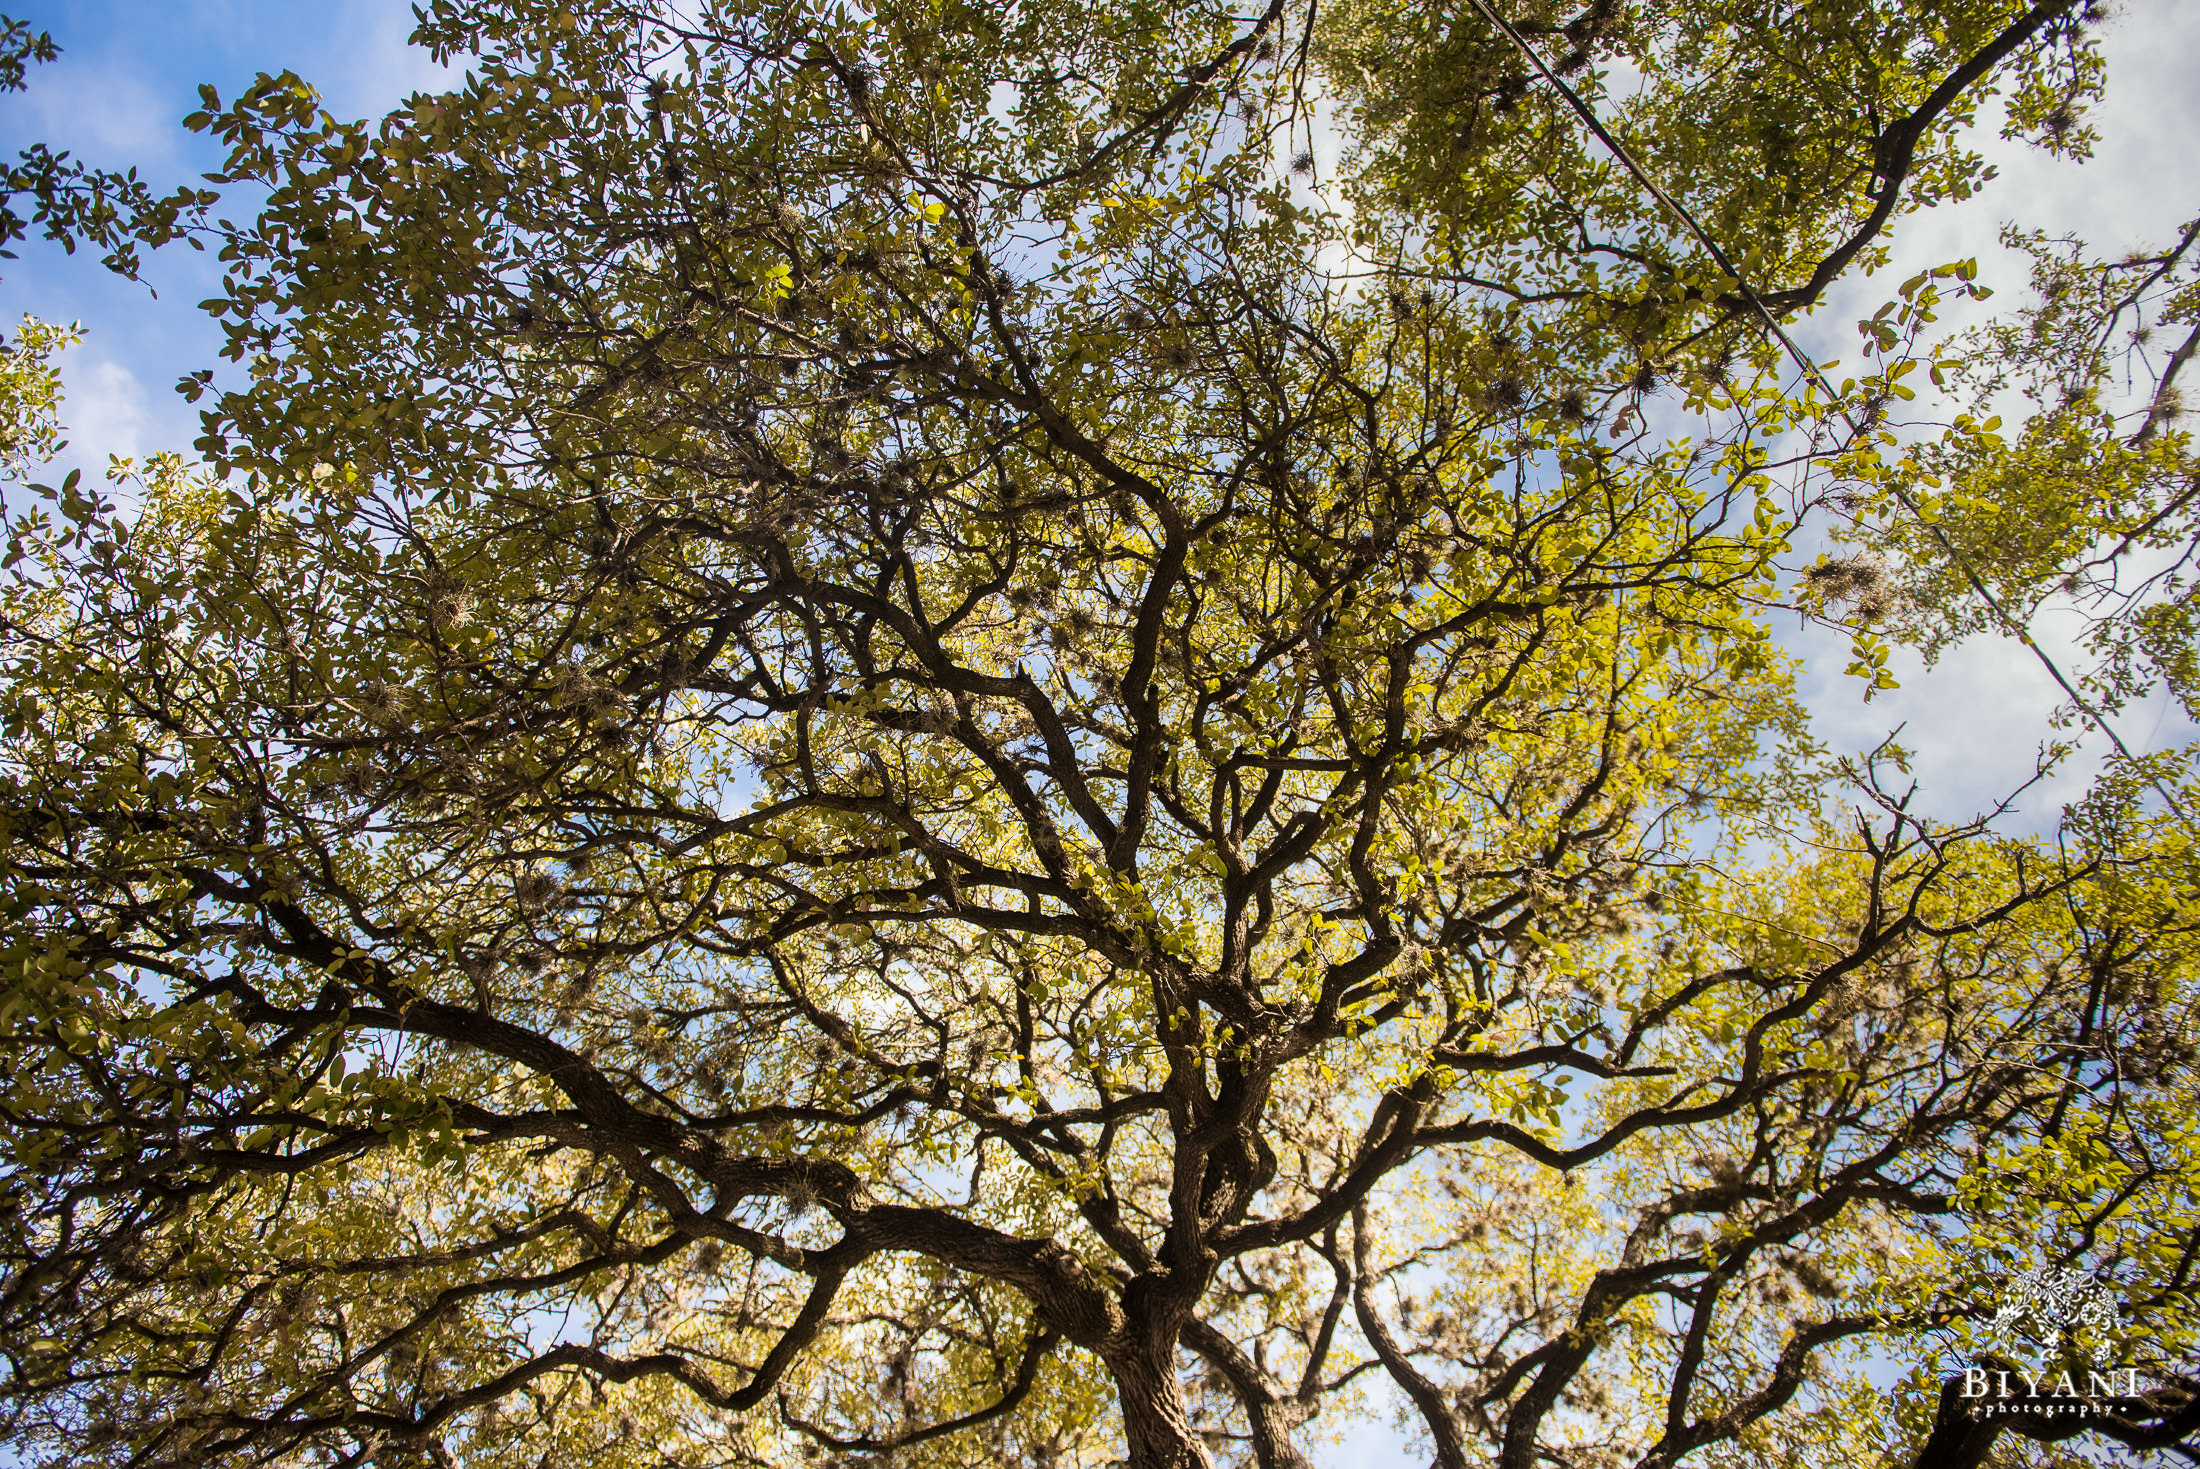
(1959,1440)
(1158,1429)
(1272,1415)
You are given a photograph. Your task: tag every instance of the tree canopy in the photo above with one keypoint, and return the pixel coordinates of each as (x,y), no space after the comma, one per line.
(878,736)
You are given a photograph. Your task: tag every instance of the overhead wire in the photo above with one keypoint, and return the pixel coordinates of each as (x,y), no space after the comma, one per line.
(2014,625)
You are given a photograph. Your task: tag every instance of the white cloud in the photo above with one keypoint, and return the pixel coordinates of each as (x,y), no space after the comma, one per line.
(383,67)
(105,407)
(1973,724)
(115,116)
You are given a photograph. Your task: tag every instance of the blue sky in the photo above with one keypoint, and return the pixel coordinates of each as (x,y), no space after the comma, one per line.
(131,68)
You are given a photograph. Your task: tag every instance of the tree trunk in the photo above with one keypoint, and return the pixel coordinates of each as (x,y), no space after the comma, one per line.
(1959,1440)
(1154,1420)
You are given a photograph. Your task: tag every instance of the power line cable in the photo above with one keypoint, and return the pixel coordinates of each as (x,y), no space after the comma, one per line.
(2009,620)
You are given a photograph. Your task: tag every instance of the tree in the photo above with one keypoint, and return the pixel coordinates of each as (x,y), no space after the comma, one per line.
(830,763)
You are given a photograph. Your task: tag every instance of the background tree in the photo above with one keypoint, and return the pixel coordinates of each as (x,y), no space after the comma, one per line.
(831,763)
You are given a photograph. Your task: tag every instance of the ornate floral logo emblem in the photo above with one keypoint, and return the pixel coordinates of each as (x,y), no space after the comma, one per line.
(2051,1300)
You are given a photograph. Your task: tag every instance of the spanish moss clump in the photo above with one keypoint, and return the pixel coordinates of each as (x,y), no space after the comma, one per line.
(1858,584)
